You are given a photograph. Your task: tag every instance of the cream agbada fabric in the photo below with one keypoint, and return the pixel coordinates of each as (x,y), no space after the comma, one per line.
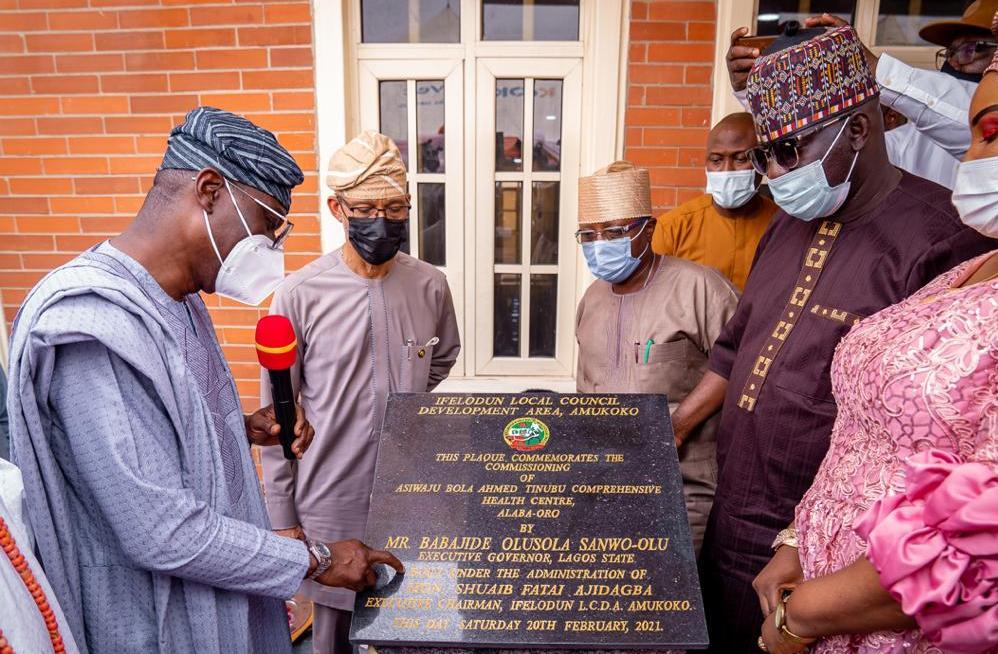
(656,340)
(369,167)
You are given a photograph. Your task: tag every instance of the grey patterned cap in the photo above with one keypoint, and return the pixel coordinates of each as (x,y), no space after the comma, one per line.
(236,148)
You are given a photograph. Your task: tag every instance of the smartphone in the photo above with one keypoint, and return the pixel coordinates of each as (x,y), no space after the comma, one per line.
(758,42)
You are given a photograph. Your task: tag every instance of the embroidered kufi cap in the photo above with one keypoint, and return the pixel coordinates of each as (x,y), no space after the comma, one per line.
(791,88)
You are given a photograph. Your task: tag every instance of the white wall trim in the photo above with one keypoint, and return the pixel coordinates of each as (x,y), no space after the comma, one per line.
(332,80)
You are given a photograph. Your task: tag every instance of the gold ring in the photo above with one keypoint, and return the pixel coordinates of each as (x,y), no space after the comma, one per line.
(762,644)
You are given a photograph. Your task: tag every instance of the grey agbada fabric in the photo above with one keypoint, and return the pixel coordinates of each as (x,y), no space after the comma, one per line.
(235,147)
(139,484)
(656,340)
(358,340)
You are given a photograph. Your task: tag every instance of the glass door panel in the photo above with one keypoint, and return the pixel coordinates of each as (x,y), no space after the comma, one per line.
(422,112)
(529,195)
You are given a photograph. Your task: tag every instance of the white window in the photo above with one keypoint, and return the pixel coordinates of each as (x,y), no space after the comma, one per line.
(498,108)
(884,25)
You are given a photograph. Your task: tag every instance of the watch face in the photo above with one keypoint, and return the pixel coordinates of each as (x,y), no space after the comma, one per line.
(323,550)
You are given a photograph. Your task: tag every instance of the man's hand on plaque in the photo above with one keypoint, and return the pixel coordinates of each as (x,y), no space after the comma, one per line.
(353,565)
(263,429)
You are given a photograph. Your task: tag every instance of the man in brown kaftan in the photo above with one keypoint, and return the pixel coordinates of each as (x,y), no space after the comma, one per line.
(854,235)
(647,323)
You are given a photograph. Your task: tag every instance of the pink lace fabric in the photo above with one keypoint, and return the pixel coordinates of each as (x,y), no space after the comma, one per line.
(917,376)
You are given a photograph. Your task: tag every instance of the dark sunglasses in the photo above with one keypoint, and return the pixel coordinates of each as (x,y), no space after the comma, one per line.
(785,151)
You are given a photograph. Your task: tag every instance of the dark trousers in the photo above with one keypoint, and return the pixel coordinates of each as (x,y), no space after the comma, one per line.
(734,618)
(331,630)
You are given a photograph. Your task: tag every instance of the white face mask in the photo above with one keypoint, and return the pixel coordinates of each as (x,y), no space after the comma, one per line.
(805,194)
(254,267)
(975,195)
(731,189)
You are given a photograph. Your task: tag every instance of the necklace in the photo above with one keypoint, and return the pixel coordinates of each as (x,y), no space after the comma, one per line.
(37,593)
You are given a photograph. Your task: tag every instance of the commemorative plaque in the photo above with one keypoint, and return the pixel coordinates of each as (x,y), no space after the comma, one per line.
(531,521)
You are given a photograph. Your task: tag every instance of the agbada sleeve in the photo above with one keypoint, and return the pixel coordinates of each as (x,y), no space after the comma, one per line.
(132,470)
(278,472)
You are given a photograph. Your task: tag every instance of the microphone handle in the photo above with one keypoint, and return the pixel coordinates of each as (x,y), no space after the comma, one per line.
(284,409)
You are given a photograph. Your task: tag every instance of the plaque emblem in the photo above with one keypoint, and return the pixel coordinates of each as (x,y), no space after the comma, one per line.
(526,434)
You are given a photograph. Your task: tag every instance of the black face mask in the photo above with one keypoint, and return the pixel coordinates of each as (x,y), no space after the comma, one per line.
(967,77)
(377,239)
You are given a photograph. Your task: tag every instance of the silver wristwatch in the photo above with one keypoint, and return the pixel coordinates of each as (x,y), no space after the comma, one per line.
(323,557)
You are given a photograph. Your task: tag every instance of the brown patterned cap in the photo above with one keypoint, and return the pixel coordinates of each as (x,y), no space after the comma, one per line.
(809,82)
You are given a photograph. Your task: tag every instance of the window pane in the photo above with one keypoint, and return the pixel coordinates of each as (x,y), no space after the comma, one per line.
(506,316)
(411,21)
(547,124)
(432,229)
(509,124)
(774,12)
(395,116)
(509,201)
(536,20)
(430,126)
(544,224)
(899,21)
(543,314)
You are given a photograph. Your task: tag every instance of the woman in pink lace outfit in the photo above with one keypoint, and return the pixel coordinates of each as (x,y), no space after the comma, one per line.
(898,535)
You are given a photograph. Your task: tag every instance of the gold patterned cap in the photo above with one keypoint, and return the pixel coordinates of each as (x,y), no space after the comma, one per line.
(616,192)
(369,167)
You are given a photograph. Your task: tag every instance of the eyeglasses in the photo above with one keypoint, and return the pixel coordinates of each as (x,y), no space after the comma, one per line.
(964,53)
(608,233)
(284,226)
(394,211)
(785,151)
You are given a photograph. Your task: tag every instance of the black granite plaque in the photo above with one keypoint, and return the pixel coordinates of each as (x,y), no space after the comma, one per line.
(531,521)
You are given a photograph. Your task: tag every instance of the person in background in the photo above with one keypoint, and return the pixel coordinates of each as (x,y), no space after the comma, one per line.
(126,425)
(31,619)
(896,544)
(935,137)
(370,321)
(646,325)
(854,235)
(721,228)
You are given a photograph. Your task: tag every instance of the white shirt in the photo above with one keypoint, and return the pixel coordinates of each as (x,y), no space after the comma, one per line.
(936,103)
(913,151)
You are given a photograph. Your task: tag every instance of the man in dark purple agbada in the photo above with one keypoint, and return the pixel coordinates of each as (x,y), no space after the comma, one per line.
(854,235)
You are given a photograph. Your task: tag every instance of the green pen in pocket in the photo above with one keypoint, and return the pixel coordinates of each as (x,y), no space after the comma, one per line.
(648,345)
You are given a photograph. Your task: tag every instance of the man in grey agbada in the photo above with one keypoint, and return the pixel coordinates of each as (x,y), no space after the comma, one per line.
(127,427)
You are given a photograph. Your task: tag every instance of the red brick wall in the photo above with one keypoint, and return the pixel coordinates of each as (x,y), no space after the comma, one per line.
(89,90)
(669,95)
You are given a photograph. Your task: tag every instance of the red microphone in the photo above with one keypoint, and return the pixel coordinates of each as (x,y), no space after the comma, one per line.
(276,348)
